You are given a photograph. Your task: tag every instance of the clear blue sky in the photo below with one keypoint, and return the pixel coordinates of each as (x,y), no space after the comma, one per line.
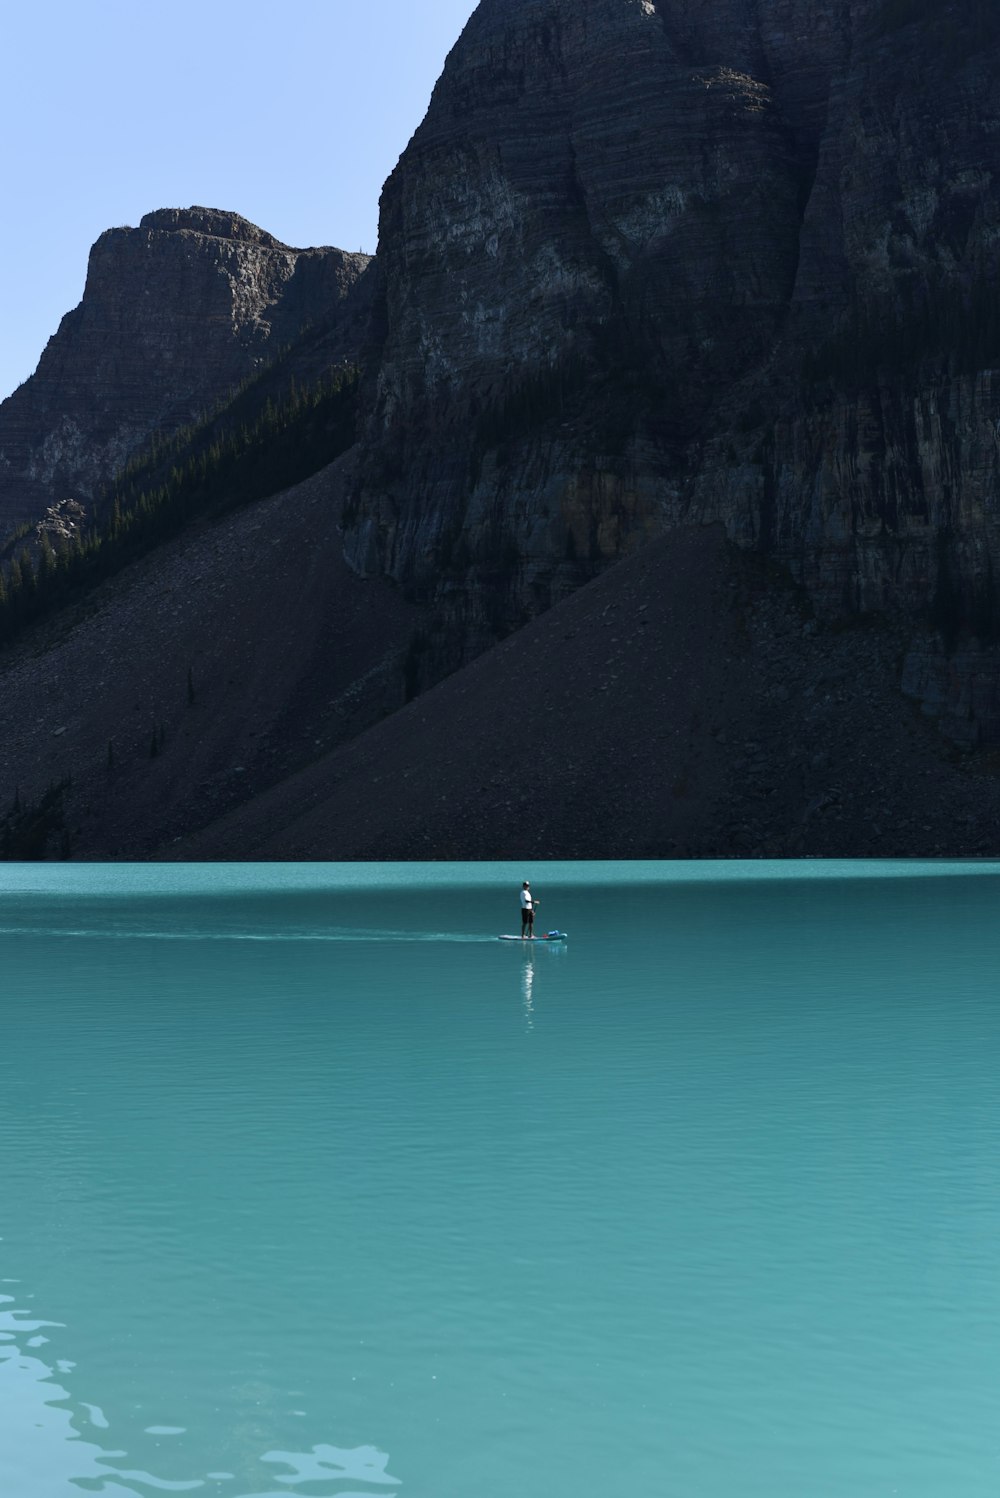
(292,115)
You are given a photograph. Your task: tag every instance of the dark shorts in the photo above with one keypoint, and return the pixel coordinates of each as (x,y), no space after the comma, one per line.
(527,915)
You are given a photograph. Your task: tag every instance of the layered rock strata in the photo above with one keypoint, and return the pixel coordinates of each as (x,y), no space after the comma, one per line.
(650,262)
(175,314)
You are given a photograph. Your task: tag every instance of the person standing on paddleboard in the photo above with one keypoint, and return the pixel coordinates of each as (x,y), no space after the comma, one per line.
(528,907)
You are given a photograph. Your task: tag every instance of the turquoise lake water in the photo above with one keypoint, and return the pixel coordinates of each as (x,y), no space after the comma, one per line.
(310,1186)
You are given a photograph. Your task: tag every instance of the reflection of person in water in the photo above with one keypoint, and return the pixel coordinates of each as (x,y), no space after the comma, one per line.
(527,988)
(528,905)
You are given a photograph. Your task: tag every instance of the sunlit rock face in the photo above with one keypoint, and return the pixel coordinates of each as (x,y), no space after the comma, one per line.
(595,226)
(649,260)
(175,314)
(594,234)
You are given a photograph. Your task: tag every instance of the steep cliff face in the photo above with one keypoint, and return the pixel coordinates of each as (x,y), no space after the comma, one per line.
(654,260)
(872,463)
(594,232)
(873,418)
(174,314)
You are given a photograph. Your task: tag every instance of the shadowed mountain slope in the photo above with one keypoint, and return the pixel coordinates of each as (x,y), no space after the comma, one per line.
(242,681)
(682,704)
(201,673)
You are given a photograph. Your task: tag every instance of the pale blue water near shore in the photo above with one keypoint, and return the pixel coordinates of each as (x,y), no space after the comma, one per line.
(308,1185)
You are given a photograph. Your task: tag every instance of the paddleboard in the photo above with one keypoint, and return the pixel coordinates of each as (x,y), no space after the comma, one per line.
(549,936)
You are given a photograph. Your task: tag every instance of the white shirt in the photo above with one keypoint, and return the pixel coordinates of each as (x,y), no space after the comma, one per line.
(526,899)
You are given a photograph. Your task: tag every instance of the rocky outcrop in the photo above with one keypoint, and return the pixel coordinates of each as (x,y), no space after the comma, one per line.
(175,313)
(648,261)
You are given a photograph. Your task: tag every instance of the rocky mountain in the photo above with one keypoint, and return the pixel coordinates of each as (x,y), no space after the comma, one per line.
(677,447)
(654,261)
(175,314)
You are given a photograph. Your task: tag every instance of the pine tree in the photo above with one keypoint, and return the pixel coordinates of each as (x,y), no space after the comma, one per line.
(15,587)
(46,563)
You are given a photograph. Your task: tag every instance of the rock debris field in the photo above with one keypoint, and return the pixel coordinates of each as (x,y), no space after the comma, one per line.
(683,704)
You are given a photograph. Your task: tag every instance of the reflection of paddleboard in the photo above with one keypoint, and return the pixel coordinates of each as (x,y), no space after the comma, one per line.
(548,936)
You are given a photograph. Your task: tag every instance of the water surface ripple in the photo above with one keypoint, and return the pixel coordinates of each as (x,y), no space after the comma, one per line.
(311,1186)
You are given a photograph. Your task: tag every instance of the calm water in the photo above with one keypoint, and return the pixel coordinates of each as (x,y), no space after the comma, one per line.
(309,1186)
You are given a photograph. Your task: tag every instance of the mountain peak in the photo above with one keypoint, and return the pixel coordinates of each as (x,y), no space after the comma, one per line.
(215,222)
